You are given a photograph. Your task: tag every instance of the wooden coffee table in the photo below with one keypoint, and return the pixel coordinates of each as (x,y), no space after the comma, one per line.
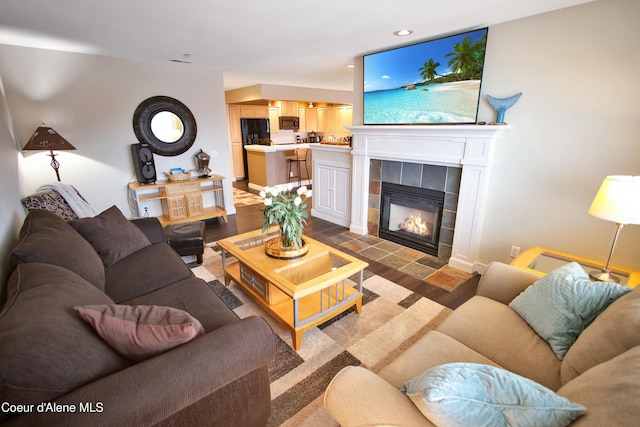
(301,293)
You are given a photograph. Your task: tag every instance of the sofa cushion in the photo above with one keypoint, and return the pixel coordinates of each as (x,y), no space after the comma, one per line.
(45,356)
(194,296)
(112,235)
(356,397)
(563,303)
(141,331)
(615,331)
(475,394)
(144,271)
(610,391)
(495,331)
(47,238)
(421,357)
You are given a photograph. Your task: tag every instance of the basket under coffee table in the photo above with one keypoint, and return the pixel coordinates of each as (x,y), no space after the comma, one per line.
(301,293)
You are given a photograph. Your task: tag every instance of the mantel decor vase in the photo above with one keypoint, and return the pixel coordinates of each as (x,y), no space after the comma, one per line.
(286,209)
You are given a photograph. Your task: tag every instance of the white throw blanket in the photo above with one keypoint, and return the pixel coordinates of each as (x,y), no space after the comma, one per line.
(79,206)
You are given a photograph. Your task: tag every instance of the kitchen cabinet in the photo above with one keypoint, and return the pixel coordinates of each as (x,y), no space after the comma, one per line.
(332,184)
(182,201)
(254,111)
(344,117)
(237,154)
(235,133)
(311,119)
(326,119)
(330,195)
(289,108)
(302,115)
(274,120)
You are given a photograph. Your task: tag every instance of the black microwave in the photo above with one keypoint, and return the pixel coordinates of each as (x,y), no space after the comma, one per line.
(289,122)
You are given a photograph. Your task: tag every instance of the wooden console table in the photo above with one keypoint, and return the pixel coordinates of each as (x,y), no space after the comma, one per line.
(300,293)
(182,201)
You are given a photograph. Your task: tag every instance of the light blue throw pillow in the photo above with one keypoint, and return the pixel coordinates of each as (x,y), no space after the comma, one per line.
(471,394)
(563,303)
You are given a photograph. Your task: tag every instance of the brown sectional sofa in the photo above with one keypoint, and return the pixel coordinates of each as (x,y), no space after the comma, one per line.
(49,354)
(600,371)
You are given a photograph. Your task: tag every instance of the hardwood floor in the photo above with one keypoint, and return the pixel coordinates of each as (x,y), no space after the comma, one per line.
(249,218)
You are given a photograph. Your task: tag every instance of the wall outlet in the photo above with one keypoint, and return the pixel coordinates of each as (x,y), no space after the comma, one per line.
(214,154)
(515,251)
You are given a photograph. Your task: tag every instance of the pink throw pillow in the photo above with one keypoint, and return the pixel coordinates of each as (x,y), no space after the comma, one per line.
(139,332)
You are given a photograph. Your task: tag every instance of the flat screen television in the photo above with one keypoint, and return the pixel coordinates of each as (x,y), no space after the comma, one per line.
(431,82)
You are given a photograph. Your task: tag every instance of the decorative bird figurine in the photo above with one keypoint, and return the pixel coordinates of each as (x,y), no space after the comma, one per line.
(501,105)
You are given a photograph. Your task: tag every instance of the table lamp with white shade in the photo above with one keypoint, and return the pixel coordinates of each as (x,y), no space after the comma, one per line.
(617,200)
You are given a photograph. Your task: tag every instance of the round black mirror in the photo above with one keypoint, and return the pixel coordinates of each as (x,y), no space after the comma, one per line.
(166,124)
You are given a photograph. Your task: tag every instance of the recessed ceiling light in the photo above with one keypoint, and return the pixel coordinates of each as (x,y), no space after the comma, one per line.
(403,32)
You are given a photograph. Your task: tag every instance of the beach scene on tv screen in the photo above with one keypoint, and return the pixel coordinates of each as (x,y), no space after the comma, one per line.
(436,81)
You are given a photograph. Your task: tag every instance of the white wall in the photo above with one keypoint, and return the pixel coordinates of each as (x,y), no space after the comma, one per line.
(90,100)
(11,211)
(576,122)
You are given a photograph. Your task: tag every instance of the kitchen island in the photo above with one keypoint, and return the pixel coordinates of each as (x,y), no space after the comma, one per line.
(268,165)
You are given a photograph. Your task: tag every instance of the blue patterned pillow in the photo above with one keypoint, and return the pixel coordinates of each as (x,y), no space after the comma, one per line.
(563,303)
(470,394)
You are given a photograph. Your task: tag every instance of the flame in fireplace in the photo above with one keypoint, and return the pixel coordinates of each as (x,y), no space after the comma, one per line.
(415,224)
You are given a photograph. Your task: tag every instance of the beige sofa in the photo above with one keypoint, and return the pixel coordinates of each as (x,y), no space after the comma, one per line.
(600,371)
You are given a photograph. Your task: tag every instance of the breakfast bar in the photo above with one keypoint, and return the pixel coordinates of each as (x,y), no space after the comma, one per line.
(268,165)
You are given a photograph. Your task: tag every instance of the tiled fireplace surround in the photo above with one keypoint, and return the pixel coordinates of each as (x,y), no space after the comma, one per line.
(464,150)
(433,177)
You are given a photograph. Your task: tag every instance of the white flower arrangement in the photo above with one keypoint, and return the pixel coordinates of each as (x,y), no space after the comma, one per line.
(286,208)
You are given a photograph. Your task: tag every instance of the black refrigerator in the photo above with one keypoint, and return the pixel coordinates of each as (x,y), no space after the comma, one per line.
(254,131)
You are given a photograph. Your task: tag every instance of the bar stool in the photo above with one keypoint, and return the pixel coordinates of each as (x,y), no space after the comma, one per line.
(300,157)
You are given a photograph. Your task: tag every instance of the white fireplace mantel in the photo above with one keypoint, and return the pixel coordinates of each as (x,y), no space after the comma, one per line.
(467,146)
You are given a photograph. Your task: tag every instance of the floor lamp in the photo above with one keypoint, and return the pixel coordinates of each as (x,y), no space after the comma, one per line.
(617,200)
(45,138)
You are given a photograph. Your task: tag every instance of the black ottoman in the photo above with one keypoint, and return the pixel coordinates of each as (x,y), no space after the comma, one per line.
(186,238)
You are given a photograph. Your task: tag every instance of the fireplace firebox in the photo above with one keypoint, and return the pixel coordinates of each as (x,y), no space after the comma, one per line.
(411,216)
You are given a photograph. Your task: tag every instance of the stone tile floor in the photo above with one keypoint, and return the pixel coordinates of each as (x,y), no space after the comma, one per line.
(414,263)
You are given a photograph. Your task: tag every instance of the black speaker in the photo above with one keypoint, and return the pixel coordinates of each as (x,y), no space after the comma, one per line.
(143,163)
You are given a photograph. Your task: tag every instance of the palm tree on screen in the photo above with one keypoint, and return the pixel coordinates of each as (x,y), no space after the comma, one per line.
(463,60)
(428,70)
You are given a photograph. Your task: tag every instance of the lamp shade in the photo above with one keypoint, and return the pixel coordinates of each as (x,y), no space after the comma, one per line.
(618,200)
(45,138)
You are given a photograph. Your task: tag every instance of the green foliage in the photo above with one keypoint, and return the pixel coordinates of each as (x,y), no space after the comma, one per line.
(428,70)
(286,208)
(465,62)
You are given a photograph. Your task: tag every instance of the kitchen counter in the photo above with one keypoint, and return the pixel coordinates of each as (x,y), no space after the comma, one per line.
(275,148)
(339,148)
(269,165)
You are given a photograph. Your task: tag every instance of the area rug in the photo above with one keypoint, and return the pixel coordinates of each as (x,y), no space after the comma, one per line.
(392,319)
(244,198)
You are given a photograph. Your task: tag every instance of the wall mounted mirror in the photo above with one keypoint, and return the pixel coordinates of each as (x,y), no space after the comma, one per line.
(166,124)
